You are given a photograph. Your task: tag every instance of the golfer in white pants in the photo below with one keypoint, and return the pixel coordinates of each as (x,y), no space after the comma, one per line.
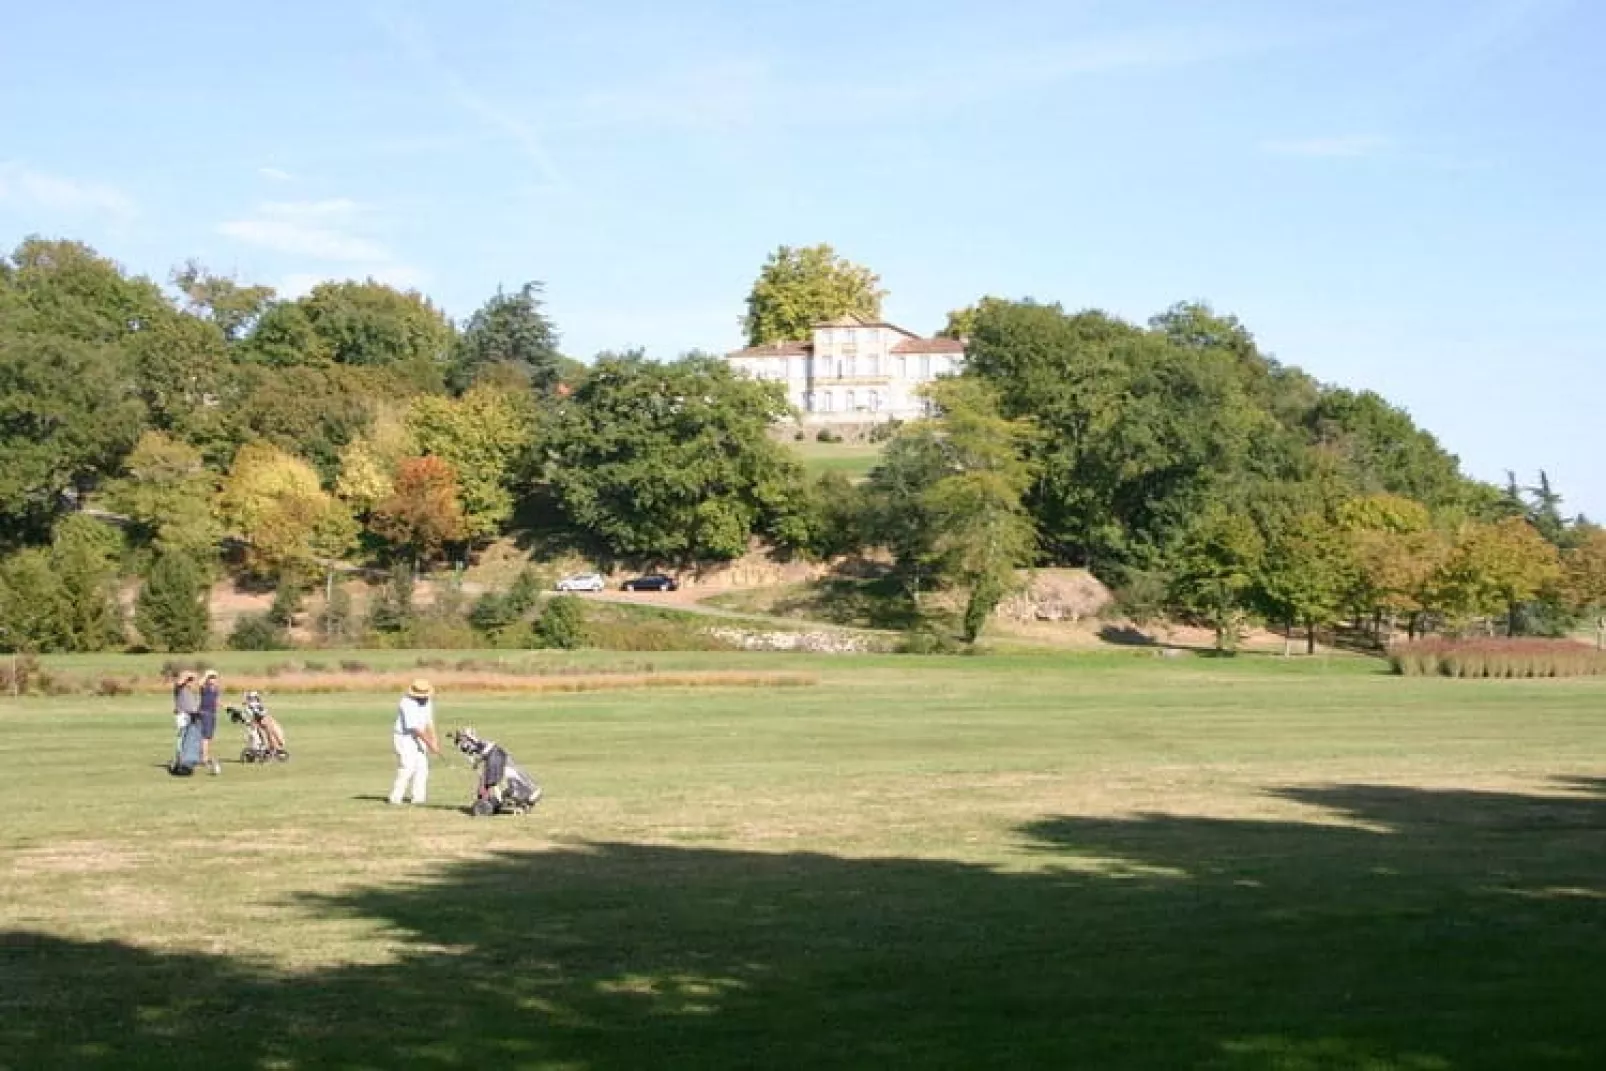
(414,741)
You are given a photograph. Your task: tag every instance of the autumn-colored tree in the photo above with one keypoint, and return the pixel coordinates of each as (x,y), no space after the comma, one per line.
(1397,555)
(480,435)
(273,502)
(1495,568)
(422,514)
(1583,585)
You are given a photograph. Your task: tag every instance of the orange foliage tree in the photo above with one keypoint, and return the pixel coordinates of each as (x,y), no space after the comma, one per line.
(422,513)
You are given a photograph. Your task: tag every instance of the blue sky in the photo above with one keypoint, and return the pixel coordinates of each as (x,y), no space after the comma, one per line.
(1400,195)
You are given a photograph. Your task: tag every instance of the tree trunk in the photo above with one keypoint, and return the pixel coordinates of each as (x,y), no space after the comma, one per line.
(1310,635)
(1511,619)
(1288,637)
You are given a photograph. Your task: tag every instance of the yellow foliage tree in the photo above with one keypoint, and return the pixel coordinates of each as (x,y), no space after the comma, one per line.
(1584,578)
(1496,567)
(274,503)
(481,436)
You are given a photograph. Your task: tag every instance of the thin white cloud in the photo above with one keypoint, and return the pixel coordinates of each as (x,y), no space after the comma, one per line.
(276,174)
(39,190)
(1332,148)
(335,235)
(320,230)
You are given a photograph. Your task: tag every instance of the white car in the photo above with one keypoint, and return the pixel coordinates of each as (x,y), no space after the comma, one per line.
(581,582)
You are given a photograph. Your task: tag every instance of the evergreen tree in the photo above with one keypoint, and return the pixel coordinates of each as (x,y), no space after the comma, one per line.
(171,611)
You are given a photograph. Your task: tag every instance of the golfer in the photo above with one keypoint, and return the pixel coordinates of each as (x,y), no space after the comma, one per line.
(211,696)
(414,740)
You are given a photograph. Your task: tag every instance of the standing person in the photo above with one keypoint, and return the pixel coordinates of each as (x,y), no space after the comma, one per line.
(211,694)
(186,706)
(413,737)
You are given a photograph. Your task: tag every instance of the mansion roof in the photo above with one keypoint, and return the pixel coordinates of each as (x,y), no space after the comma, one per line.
(909,343)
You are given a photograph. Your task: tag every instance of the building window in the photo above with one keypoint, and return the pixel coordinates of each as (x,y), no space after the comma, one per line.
(875,401)
(903,368)
(808,401)
(825,402)
(925,366)
(853,366)
(847,404)
(874,361)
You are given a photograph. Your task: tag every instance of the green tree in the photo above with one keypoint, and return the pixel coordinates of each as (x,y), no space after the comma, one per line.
(798,288)
(171,611)
(982,531)
(1378,447)
(369,324)
(1216,570)
(899,513)
(67,416)
(34,606)
(391,610)
(166,491)
(509,332)
(220,300)
(1139,435)
(1307,574)
(311,411)
(961,323)
(668,461)
(283,336)
(84,553)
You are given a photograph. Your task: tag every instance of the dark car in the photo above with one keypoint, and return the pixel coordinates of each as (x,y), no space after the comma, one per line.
(651,582)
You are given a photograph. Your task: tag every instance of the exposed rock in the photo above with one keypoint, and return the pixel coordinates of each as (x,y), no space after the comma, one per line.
(1056,595)
(816,641)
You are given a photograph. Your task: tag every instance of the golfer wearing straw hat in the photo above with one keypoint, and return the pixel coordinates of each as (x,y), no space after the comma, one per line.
(414,740)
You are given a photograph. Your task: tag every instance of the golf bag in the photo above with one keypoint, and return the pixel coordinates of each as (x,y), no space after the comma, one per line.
(504,787)
(264,737)
(187,747)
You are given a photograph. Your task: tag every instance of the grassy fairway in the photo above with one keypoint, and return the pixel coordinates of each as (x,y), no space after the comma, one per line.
(853,460)
(1099,862)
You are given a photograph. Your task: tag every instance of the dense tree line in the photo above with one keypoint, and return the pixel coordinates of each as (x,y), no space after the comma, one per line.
(172,434)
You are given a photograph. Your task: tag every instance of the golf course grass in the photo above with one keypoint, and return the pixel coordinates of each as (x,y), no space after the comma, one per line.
(1099,861)
(853,460)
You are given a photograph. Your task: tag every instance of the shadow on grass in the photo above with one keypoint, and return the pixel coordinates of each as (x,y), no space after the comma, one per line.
(1398,929)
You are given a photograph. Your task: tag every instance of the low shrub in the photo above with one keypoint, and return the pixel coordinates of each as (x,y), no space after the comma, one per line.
(1496,658)
(826,435)
(258,632)
(928,641)
(562,624)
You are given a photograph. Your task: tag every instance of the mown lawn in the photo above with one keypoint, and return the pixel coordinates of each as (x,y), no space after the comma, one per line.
(1098,861)
(853,460)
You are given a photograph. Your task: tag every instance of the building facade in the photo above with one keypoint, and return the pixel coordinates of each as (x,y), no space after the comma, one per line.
(854,371)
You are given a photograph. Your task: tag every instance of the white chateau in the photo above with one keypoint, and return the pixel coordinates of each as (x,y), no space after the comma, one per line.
(854,371)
